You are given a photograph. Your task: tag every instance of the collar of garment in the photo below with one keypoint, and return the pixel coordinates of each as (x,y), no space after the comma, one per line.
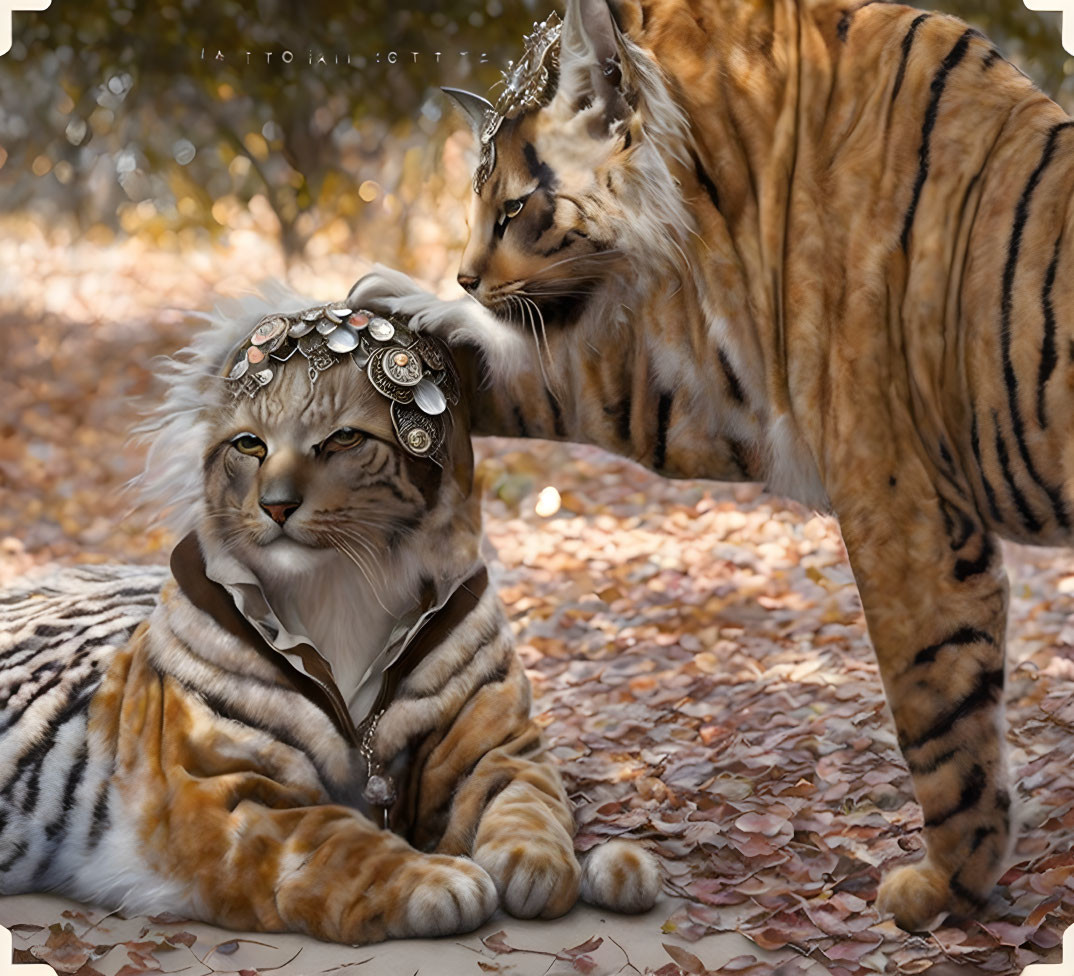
(219,585)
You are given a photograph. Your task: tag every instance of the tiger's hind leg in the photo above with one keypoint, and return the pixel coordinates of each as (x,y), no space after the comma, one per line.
(935,598)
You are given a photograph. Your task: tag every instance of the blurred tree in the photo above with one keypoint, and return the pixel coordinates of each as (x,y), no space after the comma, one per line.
(190,116)
(184,103)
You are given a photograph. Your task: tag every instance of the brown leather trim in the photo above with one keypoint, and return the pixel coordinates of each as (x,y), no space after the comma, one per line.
(188,568)
(432,634)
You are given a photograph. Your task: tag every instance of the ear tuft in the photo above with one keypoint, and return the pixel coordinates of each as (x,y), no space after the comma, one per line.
(589,60)
(473,106)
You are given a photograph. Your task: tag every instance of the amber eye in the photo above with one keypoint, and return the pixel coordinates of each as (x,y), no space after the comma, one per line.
(249,444)
(512,208)
(342,439)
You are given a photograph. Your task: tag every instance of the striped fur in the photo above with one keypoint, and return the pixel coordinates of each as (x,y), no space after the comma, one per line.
(828,246)
(159,753)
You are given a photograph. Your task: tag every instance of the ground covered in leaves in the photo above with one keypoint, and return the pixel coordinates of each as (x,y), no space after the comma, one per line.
(698,651)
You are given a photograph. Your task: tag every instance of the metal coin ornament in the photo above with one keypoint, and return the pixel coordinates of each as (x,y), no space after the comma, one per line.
(419,433)
(402,367)
(267,331)
(381,329)
(300,328)
(342,340)
(387,386)
(309,344)
(411,370)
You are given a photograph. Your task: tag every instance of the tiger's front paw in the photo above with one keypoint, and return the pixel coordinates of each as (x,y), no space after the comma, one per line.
(915,894)
(444,896)
(535,875)
(621,876)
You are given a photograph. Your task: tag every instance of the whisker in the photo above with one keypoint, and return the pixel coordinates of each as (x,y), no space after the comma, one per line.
(342,546)
(525,305)
(536,311)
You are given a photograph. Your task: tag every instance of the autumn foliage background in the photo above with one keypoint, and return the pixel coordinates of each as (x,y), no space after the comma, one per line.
(698,650)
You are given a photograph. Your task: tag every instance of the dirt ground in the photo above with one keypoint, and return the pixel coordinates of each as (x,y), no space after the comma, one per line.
(698,655)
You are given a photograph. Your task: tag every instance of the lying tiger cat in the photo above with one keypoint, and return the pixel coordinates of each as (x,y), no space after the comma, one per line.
(325,659)
(823,245)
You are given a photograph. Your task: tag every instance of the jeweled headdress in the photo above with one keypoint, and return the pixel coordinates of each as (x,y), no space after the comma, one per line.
(528,82)
(414,371)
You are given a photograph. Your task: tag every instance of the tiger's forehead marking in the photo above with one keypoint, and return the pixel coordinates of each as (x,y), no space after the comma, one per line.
(339,398)
(539,169)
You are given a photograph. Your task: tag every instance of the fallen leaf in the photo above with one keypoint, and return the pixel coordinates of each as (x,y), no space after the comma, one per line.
(686,961)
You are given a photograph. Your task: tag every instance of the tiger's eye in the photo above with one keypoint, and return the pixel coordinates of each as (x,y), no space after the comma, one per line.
(513,208)
(249,444)
(342,439)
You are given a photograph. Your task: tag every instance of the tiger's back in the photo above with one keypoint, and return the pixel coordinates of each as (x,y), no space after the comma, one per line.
(931,264)
(59,632)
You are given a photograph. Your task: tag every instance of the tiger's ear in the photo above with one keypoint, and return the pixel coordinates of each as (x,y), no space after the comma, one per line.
(590,69)
(473,106)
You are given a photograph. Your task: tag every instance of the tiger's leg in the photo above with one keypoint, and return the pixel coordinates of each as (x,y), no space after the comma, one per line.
(510,811)
(514,815)
(525,837)
(339,877)
(935,599)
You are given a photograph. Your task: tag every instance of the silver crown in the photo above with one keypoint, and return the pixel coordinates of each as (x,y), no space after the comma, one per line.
(413,371)
(527,83)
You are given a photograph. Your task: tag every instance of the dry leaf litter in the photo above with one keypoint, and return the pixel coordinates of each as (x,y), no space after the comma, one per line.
(698,651)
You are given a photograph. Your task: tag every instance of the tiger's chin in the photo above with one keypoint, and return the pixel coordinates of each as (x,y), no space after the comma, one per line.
(285,556)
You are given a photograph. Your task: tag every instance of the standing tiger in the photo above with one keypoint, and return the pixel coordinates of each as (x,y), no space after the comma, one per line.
(316,721)
(820,245)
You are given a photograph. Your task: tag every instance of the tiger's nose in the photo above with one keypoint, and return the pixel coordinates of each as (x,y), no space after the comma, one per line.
(280,511)
(469,282)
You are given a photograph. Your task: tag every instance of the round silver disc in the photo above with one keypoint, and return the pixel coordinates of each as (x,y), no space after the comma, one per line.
(342,340)
(381,329)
